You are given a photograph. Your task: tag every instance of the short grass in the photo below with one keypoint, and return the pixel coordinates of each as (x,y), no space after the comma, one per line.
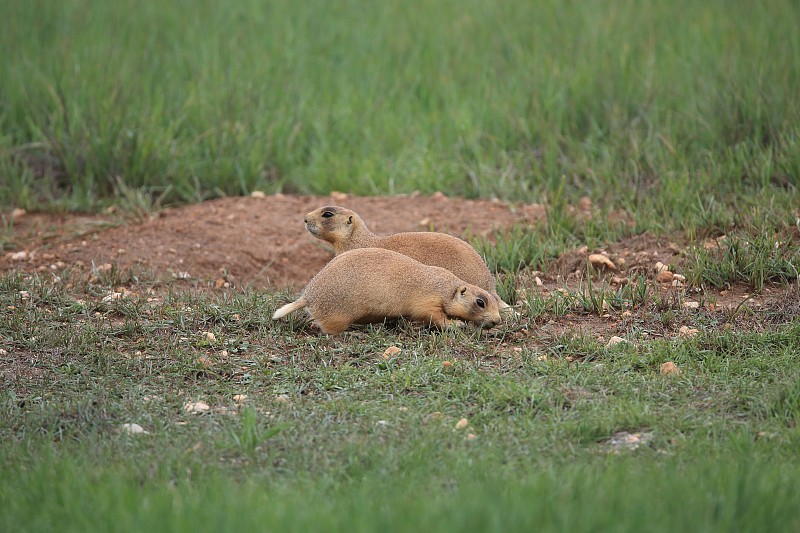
(668,109)
(333,434)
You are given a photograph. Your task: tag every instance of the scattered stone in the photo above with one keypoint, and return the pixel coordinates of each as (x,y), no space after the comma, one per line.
(196,407)
(447,364)
(686,331)
(182,275)
(691,304)
(425,222)
(462,423)
(17,212)
(669,368)
(258,194)
(628,441)
(24,295)
(613,341)
(390,352)
(679,277)
(18,256)
(338,196)
(471,436)
(210,337)
(677,283)
(282,398)
(436,415)
(627,314)
(204,361)
(538,281)
(3,351)
(664,276)
(133,429)
(661,267)
(601,261)
(585,203)
(439,195)
(617,280)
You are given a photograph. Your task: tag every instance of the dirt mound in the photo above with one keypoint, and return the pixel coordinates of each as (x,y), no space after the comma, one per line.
(253,240)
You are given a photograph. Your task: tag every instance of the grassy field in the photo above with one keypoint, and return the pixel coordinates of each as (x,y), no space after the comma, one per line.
(670,108)
(333,434)
(683,115)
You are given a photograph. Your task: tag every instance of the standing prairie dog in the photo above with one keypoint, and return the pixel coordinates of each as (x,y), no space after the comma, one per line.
(345,230)
(372,284)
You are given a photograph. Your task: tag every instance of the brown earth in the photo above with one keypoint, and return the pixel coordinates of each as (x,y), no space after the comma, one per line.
(250,240)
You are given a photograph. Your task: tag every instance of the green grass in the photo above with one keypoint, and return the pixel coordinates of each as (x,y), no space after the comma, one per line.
(667,109)
(753,256)
(332,433)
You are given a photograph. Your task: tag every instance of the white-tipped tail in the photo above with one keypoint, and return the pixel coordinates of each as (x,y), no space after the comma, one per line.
(289,308)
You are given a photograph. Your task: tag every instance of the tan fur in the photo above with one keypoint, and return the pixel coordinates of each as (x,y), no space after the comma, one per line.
(372,284)
(345,230)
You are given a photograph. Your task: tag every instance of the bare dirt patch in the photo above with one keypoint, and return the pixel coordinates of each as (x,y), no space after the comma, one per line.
(261,241)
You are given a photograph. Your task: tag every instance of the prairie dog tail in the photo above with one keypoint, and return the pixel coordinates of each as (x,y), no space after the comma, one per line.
(289,308)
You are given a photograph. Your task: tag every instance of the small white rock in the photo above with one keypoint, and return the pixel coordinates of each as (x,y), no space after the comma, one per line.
(196,407)
(133,429)
(691,304)
(258,194)
(613,341)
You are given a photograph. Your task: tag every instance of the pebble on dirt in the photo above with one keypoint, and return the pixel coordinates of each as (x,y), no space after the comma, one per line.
(601,261)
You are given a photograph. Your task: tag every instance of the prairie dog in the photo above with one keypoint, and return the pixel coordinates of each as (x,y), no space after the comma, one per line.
(345,230)
(371,284)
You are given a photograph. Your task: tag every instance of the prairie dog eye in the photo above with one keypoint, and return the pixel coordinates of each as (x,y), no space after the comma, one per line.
(327,214)
(480,303)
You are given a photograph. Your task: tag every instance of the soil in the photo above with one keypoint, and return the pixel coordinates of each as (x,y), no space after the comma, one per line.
(258,241)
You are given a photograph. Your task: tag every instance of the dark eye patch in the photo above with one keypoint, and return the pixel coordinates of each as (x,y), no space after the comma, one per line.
(327,214)
(480,303)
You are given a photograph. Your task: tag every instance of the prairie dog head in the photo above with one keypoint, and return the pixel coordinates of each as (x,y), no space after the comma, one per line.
(332,223)
(475,305)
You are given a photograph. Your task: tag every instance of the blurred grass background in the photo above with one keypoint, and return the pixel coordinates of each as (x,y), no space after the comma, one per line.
(642,105)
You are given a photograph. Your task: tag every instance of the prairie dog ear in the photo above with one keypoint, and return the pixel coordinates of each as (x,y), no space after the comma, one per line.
(350,219)
(462,291)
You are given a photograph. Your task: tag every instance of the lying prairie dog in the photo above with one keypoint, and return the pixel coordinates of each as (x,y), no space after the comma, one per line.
(372,284)
(345,230)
